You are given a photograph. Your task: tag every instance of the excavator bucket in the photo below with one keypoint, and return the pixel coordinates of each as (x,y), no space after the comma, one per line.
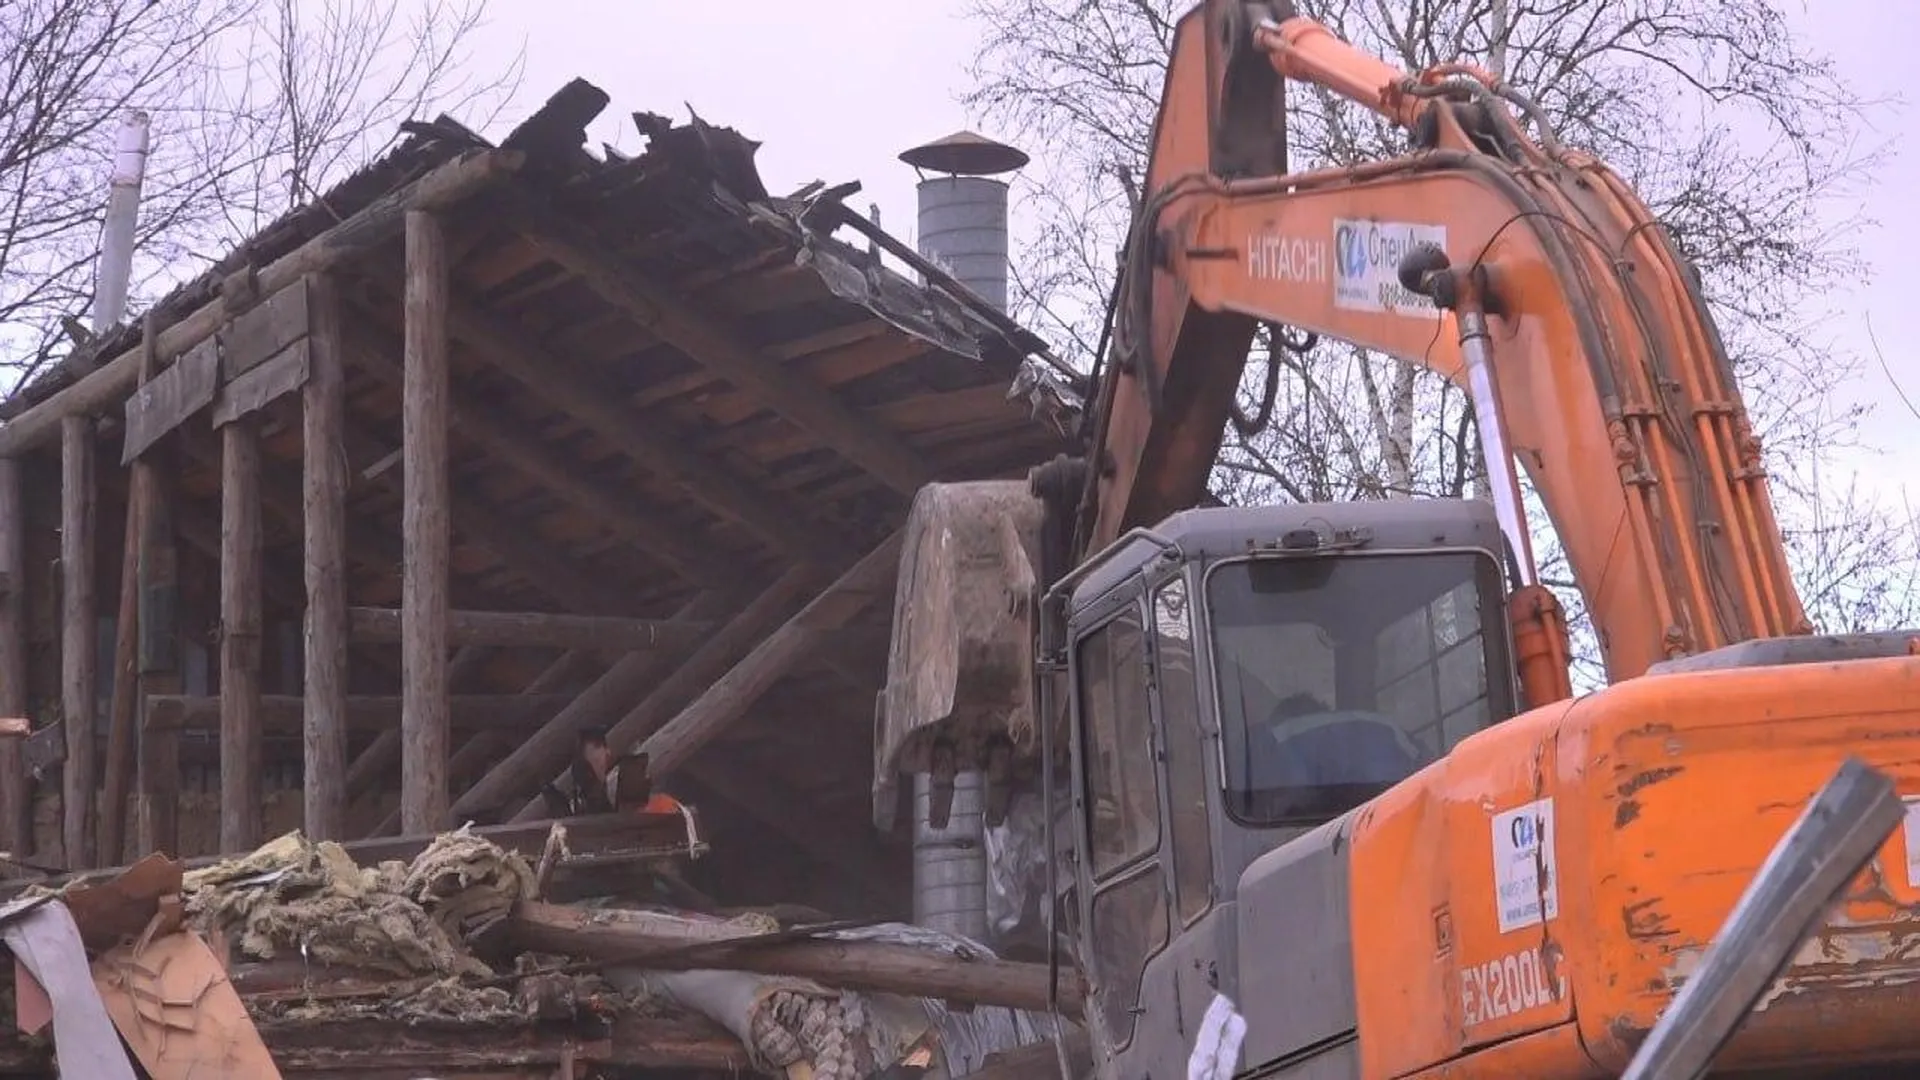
(959,691)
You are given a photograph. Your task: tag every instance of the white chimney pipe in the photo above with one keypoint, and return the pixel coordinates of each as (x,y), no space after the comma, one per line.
(123,211)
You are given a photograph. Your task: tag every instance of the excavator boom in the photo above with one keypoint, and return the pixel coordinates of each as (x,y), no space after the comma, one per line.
(1600,368)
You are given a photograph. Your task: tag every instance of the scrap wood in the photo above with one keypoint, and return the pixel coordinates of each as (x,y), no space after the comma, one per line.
(175,1007)
(45,940)
(662,942)
(14,727)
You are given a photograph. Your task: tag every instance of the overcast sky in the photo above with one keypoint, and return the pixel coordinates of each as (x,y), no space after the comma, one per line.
(836,89)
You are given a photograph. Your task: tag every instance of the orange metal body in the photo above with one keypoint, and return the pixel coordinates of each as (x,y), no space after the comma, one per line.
(1667,795)
(1667,792)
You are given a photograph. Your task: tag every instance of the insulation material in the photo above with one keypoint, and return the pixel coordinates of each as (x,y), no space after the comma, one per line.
(467,882)
(293,896)
(1017,868)
(784,1022)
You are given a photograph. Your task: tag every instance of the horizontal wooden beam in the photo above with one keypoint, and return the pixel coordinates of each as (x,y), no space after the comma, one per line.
(589,834)
(284,713)
(708,341)
(358,234)
(537,630)
(650,941)
(367,1048)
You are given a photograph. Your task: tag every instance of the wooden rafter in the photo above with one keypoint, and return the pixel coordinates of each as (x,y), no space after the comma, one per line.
(709,342)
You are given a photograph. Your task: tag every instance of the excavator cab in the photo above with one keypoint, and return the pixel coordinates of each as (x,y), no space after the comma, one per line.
(1240,680)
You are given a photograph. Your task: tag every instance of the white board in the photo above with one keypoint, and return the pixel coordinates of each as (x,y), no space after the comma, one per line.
(1366,266)
(1526,873)
(1910,829)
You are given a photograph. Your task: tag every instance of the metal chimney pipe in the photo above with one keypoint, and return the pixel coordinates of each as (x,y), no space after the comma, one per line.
(123,211)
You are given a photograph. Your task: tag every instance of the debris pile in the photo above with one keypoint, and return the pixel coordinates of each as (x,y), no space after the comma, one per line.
(296,897)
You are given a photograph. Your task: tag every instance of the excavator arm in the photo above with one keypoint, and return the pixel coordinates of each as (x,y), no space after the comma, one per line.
(1526,272)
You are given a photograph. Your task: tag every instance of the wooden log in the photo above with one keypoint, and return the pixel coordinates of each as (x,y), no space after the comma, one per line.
(541,630)
(712,344)
(427,531)
(123,715)
(647,940)
(324,529)
(78,626)
(359,234)
(371,1049)
(16,794)
(728,699)
(546,753)
(653,835)
(157,774)
(283,714)
(241,781)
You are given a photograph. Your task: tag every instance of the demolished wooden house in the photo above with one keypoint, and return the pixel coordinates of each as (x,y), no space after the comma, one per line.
(484,448)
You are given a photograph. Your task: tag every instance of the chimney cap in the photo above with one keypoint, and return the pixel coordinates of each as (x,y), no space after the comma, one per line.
(965,153)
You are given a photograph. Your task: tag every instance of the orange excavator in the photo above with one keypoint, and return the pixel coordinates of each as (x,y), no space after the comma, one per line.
(1324,760)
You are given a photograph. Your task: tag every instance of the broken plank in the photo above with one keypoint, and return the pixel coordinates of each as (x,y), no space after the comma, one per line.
(263,331)
(168,399)
(650,941)
(260,386)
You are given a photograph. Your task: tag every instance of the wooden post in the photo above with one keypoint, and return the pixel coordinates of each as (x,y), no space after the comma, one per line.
(16,794)
(123,716)
(423,648)
(241,789)
(78,627)
(324,513)
(157,781)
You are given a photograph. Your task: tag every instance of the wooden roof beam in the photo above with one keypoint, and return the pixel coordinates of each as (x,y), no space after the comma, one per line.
(708,341)
(359,234)
(496,436)
(783,523)
(727,700)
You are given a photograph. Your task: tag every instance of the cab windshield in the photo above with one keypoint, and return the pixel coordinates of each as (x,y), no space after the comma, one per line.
(1340,676)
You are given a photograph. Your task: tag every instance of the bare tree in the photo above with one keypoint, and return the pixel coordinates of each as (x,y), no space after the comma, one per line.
(256,106)
(1734,133)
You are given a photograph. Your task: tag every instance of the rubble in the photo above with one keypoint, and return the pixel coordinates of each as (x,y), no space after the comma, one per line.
(450,961)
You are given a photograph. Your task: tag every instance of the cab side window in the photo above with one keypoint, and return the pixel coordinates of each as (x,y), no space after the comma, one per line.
(1129,902)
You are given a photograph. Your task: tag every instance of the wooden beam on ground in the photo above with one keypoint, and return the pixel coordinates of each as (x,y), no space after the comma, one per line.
(327,779)
(500,438)
(241,782)
(544,751)
(523,770)
(357,235)
(427,529)
(663,943)
(78,627)
(785,525)
(365,1048)
(16,794)
(728,699)
(711,343)
(537,630)
(284,714)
